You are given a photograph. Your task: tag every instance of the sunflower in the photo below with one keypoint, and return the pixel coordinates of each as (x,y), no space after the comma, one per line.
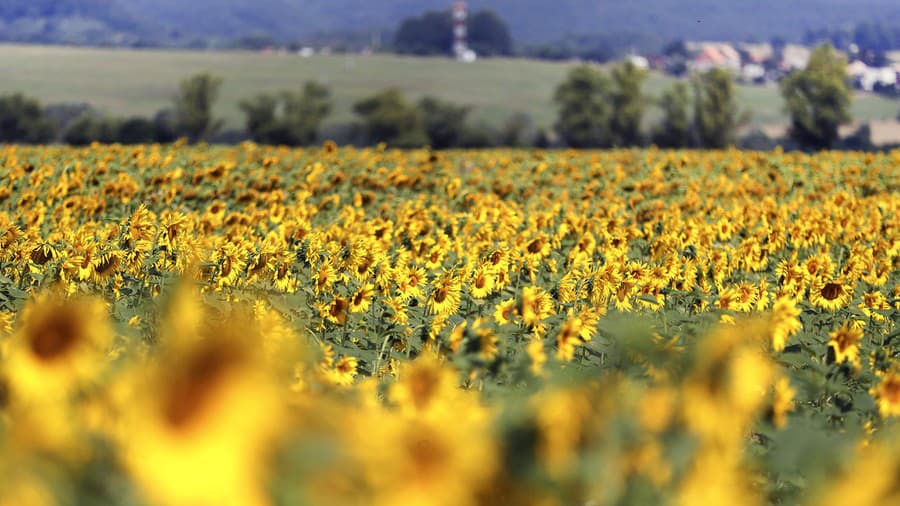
(398,314)
(335,311)
(537,355)
(873,303)
(41,254)
(364,260)
(282,275)
(434,258)
(498,259)
(362,299)
(105,264)
(844,343)
(887,393)
(209,407)
(566,289)
(475,338)
(174,226)
(535,306)
(22,489)
(445,295)
(656,408)
(231,260)
(505,312)
(482,282)
(792,277)
(410,282)
(58,346)
(728,382)
(831,295)
(603,284)
(457,336)
(818,266)
(783,402)
(425,387)
(622,297)
(342,373)
(568,339)
(408,461)
(583,251)
(784,321)
(737,298)
(715,477)
(80,266)
(6,323)
(536,249)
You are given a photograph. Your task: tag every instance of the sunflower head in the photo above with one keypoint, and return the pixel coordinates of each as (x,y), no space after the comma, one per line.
(58,346)
(830,295)
(207,404)
(844,343)
(887,394)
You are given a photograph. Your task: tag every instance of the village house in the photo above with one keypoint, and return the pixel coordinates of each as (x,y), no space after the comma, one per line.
(709,55)
(794,57)
(870,79)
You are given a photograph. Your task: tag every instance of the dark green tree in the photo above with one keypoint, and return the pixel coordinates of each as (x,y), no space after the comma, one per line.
(22,120)
(136,130)
(716,116)
(432,34)
(488,35)
(63,114)
(818,99)
(583,120)
(675,129)
(193,116)
(388,117)
(289,118)
(428,34)
(91,128)
(164,122)
(514,132)
(445,122)
(628,103)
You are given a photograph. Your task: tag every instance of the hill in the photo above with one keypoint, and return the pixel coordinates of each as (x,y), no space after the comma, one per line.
(124,82)
(94,22)
(158,21)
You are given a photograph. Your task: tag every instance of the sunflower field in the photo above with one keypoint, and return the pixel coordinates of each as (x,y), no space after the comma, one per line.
(250,325)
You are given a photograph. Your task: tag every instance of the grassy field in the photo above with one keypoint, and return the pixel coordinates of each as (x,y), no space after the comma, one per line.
(124,82)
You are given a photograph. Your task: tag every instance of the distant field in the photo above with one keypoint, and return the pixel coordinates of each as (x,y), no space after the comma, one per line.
(124,82)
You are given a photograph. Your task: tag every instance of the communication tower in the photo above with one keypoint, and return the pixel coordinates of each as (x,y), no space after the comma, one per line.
(460,32)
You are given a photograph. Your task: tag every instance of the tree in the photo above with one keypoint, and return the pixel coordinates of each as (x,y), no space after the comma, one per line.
(388,117)
(63,114)
(445,122)
(628,104)
(22,119)
(91,128)
(514,131)
(136,130)
(488,35)
(818,99)
(429,34)
(432,34)
(675,129)
(193,107)
(715,109)
(164,122)
(584,108)
(289,118)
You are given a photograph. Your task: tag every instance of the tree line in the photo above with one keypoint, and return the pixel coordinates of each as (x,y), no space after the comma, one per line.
(603,110)
(595,109)
(287,117)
